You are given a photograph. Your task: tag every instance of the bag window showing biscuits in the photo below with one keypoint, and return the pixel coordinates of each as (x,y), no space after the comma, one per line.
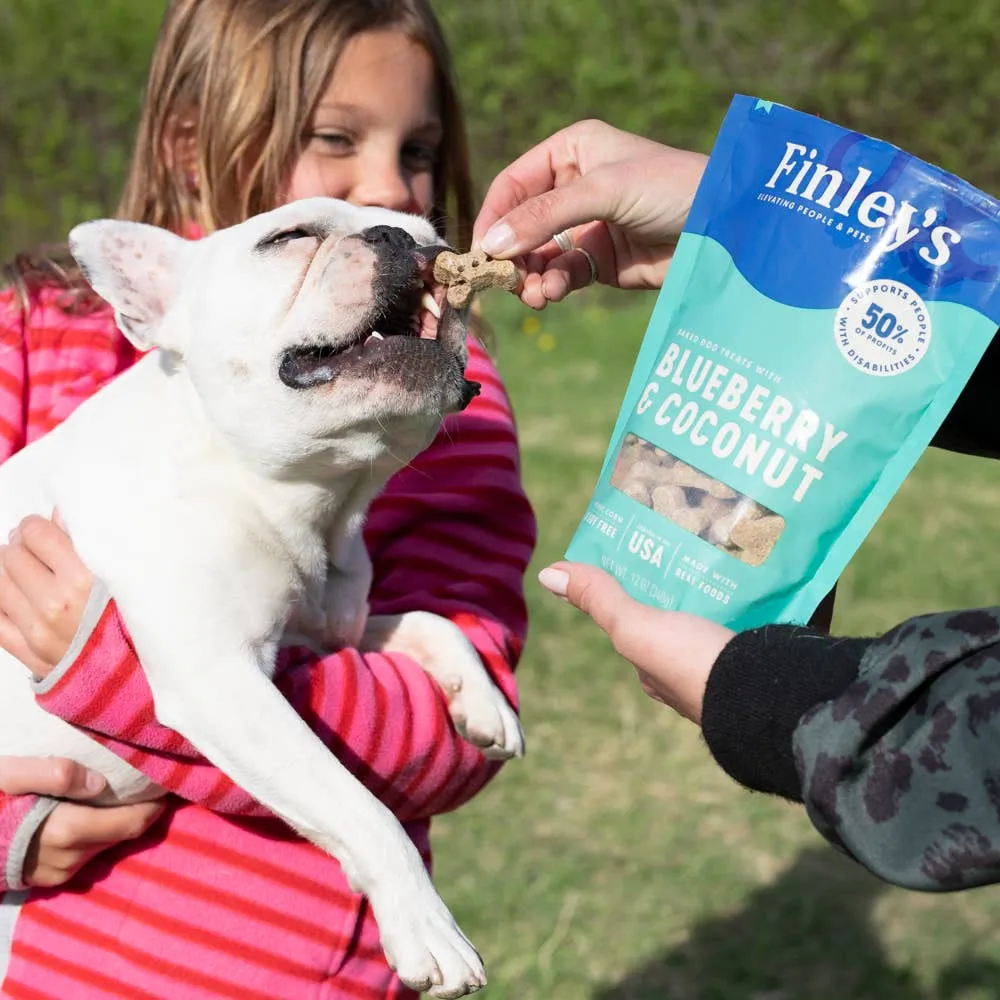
(829,298)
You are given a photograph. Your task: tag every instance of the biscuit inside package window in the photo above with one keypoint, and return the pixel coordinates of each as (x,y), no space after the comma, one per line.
(689,498)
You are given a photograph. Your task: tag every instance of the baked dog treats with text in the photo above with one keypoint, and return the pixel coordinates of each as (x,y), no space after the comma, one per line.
(829,299)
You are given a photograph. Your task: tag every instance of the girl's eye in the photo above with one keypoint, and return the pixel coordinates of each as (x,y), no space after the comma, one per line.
(335,142)
(420,157)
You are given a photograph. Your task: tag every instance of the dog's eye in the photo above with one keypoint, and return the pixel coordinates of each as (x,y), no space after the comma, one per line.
(287,235)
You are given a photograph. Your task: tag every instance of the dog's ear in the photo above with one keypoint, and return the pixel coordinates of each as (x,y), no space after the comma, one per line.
(137,270)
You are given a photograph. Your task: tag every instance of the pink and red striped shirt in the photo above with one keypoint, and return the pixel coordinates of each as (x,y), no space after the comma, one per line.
(219,899)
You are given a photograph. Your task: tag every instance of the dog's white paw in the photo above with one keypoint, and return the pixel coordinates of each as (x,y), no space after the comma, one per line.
(428,950)
(484,717)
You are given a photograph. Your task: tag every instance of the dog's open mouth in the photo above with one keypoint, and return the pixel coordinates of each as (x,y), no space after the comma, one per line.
(418,312)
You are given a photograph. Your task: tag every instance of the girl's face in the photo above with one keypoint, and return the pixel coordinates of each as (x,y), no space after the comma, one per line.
(375,134)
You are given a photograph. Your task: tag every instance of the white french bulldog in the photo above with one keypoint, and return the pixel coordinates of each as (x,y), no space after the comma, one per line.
(219,488)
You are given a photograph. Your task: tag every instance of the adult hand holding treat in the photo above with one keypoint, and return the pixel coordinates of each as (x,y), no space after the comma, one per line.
(591,203)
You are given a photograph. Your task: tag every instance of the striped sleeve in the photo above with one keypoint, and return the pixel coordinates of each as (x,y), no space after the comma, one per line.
(14,809)
(451,534)
(13,378)
(15,833)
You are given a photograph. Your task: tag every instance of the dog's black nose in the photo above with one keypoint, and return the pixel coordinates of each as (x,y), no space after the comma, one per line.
(396,241)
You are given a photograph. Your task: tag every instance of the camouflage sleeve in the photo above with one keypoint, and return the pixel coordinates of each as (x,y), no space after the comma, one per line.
(893,744)
(902,769)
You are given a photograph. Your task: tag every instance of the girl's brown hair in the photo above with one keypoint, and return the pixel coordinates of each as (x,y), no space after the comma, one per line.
(231,90)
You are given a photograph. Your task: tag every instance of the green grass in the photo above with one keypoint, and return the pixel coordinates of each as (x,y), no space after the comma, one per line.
(616,862)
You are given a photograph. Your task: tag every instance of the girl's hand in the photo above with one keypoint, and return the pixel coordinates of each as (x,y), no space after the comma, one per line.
(73,832)
(44,589)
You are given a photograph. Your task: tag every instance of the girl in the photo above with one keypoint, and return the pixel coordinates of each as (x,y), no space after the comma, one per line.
(251,103)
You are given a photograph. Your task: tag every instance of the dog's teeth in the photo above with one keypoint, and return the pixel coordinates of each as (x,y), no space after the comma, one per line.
(430,305)
(376,336)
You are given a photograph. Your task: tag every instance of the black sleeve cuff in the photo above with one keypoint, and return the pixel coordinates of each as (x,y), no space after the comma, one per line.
(973,425)
(762,684)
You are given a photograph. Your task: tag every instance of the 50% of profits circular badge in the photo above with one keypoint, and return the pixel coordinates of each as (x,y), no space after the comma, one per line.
(883,328)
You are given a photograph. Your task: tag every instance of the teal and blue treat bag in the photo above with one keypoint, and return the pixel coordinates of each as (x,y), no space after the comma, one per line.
(829,298)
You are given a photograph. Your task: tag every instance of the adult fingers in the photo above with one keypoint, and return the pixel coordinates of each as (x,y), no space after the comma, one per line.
(597,594)
(534,172)
(673,652)
(533,222)
(568,154)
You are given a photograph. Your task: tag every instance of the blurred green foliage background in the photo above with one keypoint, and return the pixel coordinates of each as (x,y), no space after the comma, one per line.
(915,72)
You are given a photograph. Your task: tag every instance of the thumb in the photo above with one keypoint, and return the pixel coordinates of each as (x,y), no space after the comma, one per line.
(536,220)
(53,776)
(595,592)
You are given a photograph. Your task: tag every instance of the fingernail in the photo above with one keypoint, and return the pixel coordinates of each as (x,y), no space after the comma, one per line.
(94,781)
(499,237)
(555,581)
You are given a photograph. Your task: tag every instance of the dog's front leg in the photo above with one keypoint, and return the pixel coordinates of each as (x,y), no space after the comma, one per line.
(211,686)
(478,707)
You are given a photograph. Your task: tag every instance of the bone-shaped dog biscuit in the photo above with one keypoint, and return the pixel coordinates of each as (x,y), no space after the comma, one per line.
(644,472)
(667,500)
(467,273)
(756,538)
(720,531)
(682,474)
(712,506)
(692,519)
(743,509)
(695,501)
(637,491)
